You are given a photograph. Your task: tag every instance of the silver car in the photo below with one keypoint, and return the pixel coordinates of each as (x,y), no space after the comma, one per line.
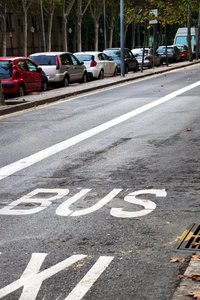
(150,59)
(60,67)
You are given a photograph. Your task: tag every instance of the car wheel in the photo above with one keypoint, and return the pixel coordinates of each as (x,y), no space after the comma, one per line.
(101,74)
(84,79)
(115,72)
(65,81)
(45,85)
(21,91)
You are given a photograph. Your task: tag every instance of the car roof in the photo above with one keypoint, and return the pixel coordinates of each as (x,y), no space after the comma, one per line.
(12,57)
(50,53)
(88,52)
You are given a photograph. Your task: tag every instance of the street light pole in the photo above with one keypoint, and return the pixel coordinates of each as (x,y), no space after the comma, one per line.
(32,31)
(104,6)
(122,36)
(43,26)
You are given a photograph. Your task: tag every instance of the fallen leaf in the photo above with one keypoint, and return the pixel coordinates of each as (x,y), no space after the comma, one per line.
(194,277)
(180,276)
(195,244)
(195,294)
(188,129)
(188,79)
(177,259)
(195,257)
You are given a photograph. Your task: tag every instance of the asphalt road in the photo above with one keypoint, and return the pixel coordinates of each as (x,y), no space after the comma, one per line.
(96,190)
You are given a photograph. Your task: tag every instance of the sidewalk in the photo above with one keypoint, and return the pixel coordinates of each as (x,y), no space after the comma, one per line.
(39,98)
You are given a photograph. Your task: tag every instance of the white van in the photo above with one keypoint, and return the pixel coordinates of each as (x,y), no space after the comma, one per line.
(181,38)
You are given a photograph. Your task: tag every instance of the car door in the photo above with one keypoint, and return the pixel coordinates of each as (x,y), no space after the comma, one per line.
(66,67)
(104,64)
(77,69)
(35,75)
(109,63)
(25,74)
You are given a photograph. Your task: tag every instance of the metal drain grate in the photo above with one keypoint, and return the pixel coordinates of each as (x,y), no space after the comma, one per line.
(191,240)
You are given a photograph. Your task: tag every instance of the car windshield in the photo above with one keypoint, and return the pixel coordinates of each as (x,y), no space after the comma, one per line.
(183,40)
(5,69)
(84,57)
(44,60)
(140,51)
(113,53)
(162,50)
(180,47)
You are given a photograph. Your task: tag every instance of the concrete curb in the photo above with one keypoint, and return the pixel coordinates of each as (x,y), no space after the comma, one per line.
(188,285)
(41,98)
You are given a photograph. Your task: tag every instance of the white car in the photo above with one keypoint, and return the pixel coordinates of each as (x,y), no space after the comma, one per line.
(98,64)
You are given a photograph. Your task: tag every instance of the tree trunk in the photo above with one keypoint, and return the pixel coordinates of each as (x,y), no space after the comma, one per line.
(25,34)
(79,25)
(138,35)
(96,38)
(189,31)
(3,15)
(133,34)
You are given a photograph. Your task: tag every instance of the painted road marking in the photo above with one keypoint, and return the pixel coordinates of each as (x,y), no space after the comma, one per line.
(31,280)
(39,156)
(44,197)
(89,279)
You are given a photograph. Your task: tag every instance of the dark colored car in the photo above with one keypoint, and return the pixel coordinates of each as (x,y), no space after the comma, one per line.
(184,52)
(20,75)
(131,63)
(173,53)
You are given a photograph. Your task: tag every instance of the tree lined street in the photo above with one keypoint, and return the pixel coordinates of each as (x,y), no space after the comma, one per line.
(97,190)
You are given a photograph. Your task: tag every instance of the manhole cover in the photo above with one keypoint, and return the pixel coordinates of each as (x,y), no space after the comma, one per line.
(191,240)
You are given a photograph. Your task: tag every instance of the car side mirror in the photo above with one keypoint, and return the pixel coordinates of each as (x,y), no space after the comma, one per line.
(39,69)
(81,63)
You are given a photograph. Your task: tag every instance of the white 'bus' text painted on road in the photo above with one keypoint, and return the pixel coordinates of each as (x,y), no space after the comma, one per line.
(35,158)
(31,280)
(64,210)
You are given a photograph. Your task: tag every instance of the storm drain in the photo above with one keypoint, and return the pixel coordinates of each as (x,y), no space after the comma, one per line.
(191,240)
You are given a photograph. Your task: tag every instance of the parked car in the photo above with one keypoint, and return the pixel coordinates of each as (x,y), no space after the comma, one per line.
(97,63)
(184,51)
(60,67)
(150,59)
(173,53)
(131,63)
(20,75)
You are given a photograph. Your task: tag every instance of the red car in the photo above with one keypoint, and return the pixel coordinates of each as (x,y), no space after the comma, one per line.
(20,75)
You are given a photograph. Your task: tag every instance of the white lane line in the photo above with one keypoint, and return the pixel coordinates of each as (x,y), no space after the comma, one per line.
(39,156)
(89,279)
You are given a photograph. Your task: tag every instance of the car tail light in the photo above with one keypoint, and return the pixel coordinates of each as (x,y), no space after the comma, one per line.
(183,52)
(147,57)
(14,71)
(93,63)
(57,63)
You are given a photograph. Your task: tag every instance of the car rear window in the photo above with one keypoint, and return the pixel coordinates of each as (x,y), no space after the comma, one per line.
(84,57)
(113,53)
(5,69)
(44,60)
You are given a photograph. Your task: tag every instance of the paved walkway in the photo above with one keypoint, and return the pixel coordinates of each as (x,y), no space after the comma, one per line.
(39,98)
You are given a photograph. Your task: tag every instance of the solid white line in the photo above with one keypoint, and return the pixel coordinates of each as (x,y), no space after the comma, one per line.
(88,280)
(39,156)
